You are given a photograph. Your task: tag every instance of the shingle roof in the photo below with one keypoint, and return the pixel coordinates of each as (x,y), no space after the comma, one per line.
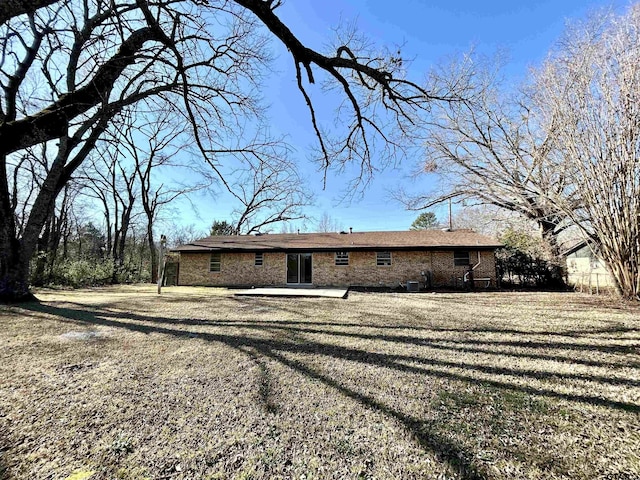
(405,240)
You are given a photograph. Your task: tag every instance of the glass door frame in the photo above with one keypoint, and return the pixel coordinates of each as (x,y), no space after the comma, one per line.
(301,267)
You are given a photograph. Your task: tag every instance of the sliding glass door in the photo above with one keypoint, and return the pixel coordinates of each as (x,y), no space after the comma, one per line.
(299,266)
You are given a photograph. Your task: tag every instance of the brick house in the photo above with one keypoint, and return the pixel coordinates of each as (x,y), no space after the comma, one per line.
(434,258)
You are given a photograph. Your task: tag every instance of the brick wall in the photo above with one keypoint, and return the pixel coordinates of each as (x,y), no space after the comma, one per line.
(235,269)
(238,269)
(405,266)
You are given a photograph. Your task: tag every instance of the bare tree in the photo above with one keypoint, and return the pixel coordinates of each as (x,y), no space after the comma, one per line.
(491,220)
(268,192)
(57,229)
(111,180)
(328,224)
(179,234)
(589,90)
(29,174)
(487,149)
(13,8)
(152,142)
(68,68)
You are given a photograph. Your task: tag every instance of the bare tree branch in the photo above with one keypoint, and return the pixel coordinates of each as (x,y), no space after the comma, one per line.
(488,149)
(13,8)
(590,91)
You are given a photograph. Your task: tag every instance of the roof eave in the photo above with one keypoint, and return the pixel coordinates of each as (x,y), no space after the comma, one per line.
(348,248)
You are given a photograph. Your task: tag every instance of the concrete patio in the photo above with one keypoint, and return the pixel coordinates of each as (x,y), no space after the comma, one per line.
(294,292)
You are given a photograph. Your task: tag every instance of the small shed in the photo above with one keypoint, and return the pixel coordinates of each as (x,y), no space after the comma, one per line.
(586,271)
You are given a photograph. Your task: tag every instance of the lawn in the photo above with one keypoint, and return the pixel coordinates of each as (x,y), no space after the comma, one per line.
(121,383)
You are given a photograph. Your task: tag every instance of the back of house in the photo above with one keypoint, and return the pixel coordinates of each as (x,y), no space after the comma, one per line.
(433,258)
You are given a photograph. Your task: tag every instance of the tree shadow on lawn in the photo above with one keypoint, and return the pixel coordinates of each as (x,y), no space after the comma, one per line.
(449,344)
(615,328)
(304,346)
(4,447)
(3,466)
(468,345)
(459,458)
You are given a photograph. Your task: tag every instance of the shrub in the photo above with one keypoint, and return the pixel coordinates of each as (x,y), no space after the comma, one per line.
(525,261)
(84,273)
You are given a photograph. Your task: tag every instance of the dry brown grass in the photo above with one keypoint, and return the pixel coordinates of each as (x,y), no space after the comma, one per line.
(121,383)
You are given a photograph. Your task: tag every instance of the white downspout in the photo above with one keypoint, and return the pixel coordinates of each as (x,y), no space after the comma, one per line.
(466,274)
(477,264)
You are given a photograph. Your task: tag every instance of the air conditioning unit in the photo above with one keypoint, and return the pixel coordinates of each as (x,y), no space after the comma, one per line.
(413,286)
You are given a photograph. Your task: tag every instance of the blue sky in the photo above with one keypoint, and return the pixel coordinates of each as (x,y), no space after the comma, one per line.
(430,31)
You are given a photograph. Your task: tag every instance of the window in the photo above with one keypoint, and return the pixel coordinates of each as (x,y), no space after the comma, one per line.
(342,259)
(214,262)
(259,259)
(383,259)
(461,258)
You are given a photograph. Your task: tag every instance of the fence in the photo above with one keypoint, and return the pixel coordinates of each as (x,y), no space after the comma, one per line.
(591,282)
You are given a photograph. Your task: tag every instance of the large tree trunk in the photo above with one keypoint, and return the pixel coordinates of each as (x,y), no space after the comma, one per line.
(548,231)
(14,265)
(14,268)
(153,253)
(121,244)
(42,255)
(14,284)
(16,253)
(556,270)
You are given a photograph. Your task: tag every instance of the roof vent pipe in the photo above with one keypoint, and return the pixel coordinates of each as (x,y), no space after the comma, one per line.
(350,229)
